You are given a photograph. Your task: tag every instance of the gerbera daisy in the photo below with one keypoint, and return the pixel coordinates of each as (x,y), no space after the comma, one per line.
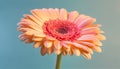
(62,32)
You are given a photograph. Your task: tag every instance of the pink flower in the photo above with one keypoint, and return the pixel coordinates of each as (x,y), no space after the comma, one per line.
(59,31)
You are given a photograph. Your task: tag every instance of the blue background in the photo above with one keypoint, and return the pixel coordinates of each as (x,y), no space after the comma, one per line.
(15,54)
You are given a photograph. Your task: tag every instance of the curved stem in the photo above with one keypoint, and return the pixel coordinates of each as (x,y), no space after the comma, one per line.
(58,61)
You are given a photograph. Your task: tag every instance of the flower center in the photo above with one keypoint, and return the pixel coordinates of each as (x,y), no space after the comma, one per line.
(61,30)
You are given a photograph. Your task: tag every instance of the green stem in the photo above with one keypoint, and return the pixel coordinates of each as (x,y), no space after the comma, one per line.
(58,61)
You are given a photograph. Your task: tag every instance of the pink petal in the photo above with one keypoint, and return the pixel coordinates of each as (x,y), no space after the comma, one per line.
(87,37)
(90,30)
(92,38)
(83,21)
(88,44)
(65,45)
(79,19)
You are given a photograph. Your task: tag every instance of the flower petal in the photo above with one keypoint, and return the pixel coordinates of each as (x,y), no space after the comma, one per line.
(86,55)
(91,51)
(48,44)
(57,51)
(29,25)
(37,39)
(39,35)
(86,22)
(71,52)
(28,31)
(43,50)
(50,38)
(76,51)
(79,18)
(90,38)
(90,30)
(97,49)
(101,37)
(57,44)
(49,50)
(63,14)
(41,15)
(72,16)
(85,48)
(87,37)
(25,37)
(65,45)
(54,13)
(33,19)
(37,44)
(64,53)
(97,42)
(83,21)
(89,44)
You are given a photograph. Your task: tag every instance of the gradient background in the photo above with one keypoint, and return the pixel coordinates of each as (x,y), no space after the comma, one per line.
(15,54)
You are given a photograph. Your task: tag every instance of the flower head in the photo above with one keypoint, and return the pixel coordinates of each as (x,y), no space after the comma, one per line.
(62,32)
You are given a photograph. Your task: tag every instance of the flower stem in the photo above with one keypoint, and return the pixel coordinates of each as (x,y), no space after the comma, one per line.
(58,61)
